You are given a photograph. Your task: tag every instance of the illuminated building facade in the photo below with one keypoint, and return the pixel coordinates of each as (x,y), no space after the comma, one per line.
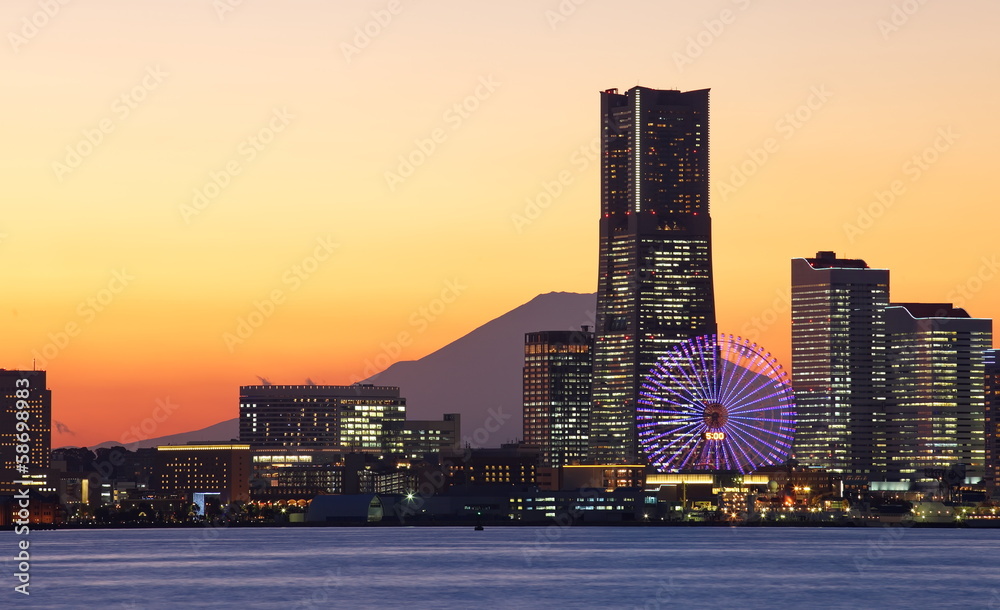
(185,470)
(655,270)
(992,417)
(357,418)
(839,364)
(937,401)
(30,387)
(280,475)
(556,384)
(420,438)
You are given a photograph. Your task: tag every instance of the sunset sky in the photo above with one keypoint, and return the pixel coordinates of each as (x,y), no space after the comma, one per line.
(173,170)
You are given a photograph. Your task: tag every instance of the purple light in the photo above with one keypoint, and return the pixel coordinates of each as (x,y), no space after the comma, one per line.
(722,385)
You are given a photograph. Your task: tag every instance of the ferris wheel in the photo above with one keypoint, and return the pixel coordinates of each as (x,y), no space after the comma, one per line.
(716,402)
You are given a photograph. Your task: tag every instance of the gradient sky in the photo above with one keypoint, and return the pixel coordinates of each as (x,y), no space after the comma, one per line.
(816,107)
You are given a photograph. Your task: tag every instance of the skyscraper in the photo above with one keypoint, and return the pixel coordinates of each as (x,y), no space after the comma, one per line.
(936,388)
(558,365)
(992,440)
(839,363)
(654,286)
(36,414)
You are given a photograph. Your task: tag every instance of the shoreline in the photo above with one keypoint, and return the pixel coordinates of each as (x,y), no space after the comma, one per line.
(473,523)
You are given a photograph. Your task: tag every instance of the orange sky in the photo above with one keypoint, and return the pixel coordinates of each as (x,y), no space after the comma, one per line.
(289,125)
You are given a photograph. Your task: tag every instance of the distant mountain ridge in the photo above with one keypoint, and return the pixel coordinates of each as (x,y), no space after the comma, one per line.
(482,370)
(477,375)
(223,431)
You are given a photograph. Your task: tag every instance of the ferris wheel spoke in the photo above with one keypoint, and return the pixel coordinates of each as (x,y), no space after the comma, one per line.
(690,397)
(745,445)
(691,386)
(668,417)
(716,363)
(748,426)
(720,459)
(743,464)
(677,400)
(762,415)
(663,448)
(676,432)
(681,400)
(757,383)
(735,384)
(734,358)
(707,382)
(693,375)
(689,454)
(728,375)
(655,403)
(780,406)
(684,439)
(740,407)
(754,446)
(665,419)
(746,463)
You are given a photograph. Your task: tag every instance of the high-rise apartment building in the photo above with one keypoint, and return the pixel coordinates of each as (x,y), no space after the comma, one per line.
(839,363)
(937,400)
(358,418)
(25,449)
(655,271)
(557,372)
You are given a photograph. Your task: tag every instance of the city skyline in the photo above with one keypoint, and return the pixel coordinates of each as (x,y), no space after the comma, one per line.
(203,201)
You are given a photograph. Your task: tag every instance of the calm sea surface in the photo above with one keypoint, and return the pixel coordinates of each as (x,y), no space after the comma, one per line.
(509,567)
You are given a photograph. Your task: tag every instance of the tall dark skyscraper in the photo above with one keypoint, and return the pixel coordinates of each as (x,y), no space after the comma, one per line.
(654,285)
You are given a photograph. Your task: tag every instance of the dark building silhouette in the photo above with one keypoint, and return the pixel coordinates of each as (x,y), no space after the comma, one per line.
(36,415)
(506,465)
(655,274)
(839,364)
(557,378)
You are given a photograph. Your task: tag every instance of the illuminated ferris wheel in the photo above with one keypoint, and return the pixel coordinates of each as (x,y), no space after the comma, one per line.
(716,402)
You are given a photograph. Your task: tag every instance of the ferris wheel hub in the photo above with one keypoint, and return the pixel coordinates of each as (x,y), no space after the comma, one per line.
(716,415)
